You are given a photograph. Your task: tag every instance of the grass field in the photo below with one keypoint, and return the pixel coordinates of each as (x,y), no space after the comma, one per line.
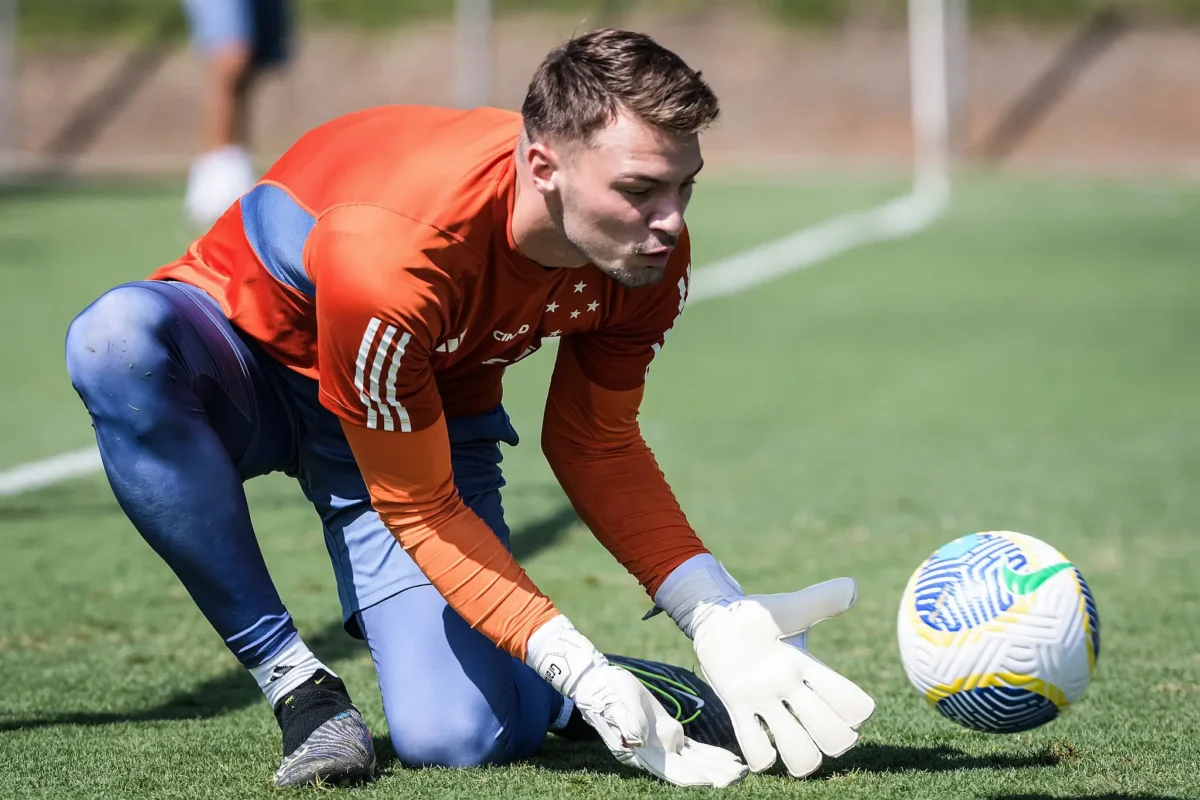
(1030,363)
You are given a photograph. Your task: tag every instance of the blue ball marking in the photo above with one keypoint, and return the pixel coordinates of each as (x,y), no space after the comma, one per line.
(998,709)
(960,546)
(1093,616)
(962,585)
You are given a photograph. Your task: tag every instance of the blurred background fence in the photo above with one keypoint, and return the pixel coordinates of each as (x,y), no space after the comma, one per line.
(110,86)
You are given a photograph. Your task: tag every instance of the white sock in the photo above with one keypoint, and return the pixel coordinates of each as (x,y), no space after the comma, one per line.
(563,716)
(290,667)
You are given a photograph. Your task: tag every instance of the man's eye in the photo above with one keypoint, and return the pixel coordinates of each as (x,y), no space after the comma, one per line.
(634,192)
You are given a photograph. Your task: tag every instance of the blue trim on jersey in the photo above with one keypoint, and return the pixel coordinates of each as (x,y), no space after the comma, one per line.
(277,228)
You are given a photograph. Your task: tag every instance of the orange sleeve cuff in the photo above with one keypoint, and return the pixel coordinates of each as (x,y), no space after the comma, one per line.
(412,487)
(591,438)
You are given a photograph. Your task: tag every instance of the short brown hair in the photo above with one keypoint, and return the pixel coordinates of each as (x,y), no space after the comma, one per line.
(582,85)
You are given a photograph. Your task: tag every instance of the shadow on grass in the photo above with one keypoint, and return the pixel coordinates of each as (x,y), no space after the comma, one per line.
(234,690)
(230,691)
(1108,796)
(883,758)
(869,757)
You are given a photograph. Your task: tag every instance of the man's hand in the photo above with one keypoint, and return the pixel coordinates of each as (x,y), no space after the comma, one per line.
(751,651)
(636,728)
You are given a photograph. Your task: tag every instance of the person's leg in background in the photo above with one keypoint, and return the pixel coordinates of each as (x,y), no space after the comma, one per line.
(237,39)
(451,697)
(183,415)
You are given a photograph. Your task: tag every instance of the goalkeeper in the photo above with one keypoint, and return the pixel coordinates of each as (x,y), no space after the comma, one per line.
(348,321)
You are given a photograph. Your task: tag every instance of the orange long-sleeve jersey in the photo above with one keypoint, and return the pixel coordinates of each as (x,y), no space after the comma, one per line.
(376,257)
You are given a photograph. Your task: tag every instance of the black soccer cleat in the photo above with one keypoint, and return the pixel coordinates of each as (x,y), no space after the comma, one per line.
(691,701)
(325,741)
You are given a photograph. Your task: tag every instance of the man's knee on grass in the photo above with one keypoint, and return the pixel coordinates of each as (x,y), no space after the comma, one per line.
(466,736)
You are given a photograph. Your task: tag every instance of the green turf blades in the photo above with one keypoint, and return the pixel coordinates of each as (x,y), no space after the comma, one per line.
(1028,364)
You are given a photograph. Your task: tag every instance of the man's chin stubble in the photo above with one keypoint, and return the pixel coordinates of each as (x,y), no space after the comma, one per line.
(637,277)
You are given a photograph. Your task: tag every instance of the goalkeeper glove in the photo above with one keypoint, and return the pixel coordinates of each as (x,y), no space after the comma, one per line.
(752,652)
(636,728)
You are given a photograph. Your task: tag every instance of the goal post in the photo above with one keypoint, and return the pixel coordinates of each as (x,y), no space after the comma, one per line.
(930,66)
(937,41)
(935,68)
(473,38)
(936,38)
(9,97)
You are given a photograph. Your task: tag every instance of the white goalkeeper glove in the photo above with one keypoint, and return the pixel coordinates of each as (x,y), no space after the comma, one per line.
(752,652)
(634,726)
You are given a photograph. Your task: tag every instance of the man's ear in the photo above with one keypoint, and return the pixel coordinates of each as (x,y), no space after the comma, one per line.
(544,164)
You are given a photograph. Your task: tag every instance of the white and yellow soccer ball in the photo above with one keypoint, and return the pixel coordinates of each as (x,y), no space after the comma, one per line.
(999,632)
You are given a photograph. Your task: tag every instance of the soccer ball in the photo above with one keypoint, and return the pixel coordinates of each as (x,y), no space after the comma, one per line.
(999,632)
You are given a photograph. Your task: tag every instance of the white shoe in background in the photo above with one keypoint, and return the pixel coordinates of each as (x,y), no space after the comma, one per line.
(215,182)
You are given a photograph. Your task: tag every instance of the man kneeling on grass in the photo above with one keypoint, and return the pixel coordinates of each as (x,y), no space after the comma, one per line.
(348,321)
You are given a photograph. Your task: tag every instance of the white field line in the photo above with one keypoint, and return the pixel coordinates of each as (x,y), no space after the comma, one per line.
(894,219)
(897,218)
(49,471)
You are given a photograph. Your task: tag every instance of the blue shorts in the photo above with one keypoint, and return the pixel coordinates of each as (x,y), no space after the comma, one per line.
(265,25)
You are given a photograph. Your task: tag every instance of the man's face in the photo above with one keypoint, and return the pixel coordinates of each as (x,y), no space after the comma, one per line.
(620,198)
